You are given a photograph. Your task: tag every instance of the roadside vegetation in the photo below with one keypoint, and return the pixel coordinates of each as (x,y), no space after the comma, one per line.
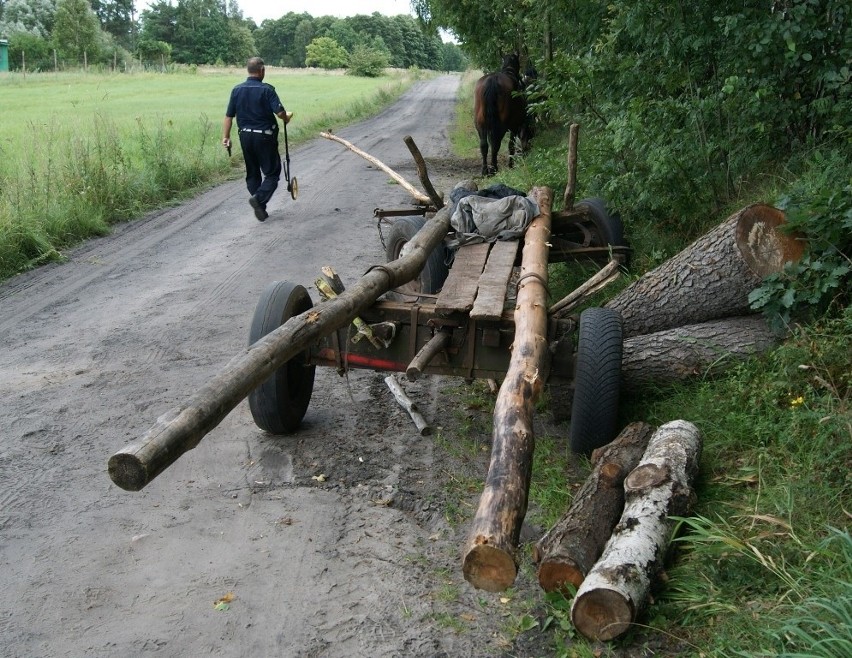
(90,150)
(764,565)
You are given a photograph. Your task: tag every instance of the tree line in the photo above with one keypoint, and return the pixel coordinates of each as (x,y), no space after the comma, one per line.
(50,34)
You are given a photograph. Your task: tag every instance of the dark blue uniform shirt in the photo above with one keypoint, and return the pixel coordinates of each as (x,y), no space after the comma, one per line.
(255,105)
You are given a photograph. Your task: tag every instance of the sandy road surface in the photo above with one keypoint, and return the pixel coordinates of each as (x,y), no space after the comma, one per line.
(92,351)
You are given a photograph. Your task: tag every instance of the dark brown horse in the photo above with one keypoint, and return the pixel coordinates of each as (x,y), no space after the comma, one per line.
(499,107)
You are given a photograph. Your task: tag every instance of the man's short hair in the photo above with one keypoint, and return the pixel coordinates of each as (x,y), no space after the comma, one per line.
(255,65)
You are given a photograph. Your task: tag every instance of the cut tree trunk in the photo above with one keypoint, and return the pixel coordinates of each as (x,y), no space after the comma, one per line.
(181,429)
(660,487)
(705,350)
(570,548)
(490,555)
(711,278)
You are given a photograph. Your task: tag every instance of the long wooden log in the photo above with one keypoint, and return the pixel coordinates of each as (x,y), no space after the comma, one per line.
(660,487)
(568,551)
(181,429)
(711,278)
(413,191)
(490,555)
(696,350)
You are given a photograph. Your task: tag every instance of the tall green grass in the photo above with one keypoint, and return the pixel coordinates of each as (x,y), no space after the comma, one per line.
(79,152)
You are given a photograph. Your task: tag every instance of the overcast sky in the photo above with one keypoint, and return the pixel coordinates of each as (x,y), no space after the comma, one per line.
(263,9)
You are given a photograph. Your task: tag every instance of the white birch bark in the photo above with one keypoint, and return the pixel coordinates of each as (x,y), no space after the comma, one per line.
(659,487)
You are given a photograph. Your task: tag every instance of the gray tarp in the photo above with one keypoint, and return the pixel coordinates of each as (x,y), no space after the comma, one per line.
(484,219)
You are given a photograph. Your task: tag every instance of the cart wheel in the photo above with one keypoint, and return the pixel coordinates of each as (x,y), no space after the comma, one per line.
(597,380)
(610,229)
(279,404)
(435,270)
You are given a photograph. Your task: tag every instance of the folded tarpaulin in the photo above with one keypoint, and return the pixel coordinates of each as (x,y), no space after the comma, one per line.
(483,219)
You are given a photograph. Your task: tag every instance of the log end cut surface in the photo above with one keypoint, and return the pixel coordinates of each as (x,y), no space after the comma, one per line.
(127,471)
(555,575)
(489,568)
(602,614)
(764,248)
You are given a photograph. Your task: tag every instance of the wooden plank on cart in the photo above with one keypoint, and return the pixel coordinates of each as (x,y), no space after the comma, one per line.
(491,298)
(459,289)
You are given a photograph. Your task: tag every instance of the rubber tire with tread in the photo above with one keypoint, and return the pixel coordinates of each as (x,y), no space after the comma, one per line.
(597,380)
(434,272)
(279,404)
(610,228)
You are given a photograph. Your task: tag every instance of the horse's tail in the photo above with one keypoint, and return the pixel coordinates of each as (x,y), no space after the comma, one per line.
(491,98)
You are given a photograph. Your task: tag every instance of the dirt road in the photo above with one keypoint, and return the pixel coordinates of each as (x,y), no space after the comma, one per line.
(95,349)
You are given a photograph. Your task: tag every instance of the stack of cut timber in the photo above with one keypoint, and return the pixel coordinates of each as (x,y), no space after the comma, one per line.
(690,312)
(660,487)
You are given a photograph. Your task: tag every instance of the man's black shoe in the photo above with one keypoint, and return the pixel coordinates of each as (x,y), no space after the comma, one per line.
(259,210)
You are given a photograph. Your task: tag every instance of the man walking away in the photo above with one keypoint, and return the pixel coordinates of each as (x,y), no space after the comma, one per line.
(255,104)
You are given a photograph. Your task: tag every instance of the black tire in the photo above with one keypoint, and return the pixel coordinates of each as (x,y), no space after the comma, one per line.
(279,404)
(434,272)
(609,227)
(597,380)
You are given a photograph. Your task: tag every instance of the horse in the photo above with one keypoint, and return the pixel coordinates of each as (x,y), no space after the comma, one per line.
(499,107)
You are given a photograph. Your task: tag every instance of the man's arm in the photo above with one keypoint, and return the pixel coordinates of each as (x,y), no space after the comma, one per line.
(284,115)
(226,131)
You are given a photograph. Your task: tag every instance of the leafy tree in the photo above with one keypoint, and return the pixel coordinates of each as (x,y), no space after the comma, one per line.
(154,51)
(367,62)
(326,53)
(116,18)
(37,51)
(32,16)
(75,30)
(452,58)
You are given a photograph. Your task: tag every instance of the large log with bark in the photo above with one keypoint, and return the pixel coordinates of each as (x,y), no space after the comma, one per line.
(568,551)
(490,554)
(181,429)
(706,349)
(711,278)
(616,588)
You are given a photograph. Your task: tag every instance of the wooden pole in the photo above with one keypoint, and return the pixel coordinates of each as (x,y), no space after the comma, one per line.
(569,550)
(571,185)
(490,560)
(181,429)
(428,352)
(413,191)
(660,487)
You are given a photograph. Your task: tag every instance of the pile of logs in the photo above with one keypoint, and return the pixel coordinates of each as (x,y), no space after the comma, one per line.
(689,316)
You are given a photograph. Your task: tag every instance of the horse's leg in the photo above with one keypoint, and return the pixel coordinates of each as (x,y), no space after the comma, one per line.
(511,149)
(496,140)
(483,149)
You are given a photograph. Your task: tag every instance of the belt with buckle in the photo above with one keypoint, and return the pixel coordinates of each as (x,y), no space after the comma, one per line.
(259,132)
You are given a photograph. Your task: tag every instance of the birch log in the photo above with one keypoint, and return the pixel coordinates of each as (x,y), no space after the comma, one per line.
(490,555)
(711,278)
(570,548)
(697,350)
(660,487)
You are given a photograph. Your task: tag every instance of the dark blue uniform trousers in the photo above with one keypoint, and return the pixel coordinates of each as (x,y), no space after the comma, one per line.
(263,164)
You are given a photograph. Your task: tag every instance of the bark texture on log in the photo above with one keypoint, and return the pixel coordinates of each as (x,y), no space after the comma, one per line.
(705,350)
(490,554)
(569,550)
(181,429)
(660,487)
(711,278)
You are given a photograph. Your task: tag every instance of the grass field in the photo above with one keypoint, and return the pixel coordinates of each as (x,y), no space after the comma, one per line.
(81,151)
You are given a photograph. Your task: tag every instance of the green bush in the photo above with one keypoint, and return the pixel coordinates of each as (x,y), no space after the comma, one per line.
(367,62)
